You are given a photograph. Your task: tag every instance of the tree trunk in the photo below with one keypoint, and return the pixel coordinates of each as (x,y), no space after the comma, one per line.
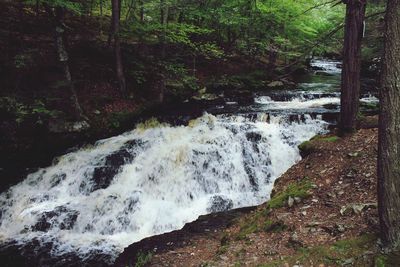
(141,11)
(131,9)
(64,62)
(164,21)
(116,6)
(389,131)
(350,88)
(37,7)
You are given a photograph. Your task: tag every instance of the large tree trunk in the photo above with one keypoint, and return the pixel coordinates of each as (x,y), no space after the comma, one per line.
(350,92)
(389,131)
(116,13)
(64,62)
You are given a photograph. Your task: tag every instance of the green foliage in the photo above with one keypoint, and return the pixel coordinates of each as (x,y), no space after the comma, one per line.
(70,5)
(143,258)
(118,119)
(21,112)
(179,78)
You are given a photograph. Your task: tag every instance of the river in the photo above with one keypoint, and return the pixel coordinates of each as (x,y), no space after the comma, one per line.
(94,202)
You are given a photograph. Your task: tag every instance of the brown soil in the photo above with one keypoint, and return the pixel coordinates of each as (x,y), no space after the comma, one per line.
(342,173)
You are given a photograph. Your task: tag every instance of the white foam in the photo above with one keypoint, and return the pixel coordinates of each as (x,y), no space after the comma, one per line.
(328,66)
(296,103)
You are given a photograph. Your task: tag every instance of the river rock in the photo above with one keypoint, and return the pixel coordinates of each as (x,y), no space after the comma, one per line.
(60,217)
(275,84)
(219,203)
(103,175)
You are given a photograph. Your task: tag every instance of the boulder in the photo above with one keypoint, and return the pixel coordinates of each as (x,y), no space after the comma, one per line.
(219,203)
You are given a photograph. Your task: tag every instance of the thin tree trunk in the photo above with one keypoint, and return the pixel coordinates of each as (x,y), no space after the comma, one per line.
(111,33)
(141,11)
(131,8)
(37,6)
(164,21)
(117,45)
(350,87)
(64,62)
(389,131)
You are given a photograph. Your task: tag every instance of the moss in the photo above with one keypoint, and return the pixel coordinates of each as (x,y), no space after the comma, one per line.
(142,259)
(222,249)
(324,138)
(259,221)
(330,139)
(299,189)
(349,251)
(343,246)
(381,261)
(306,148)
(247,229)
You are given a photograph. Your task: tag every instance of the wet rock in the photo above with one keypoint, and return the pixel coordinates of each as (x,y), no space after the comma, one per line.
(103,175)
(253,136)
(60,217)
(275,84)
(322,73)
(56,179)
(219,203)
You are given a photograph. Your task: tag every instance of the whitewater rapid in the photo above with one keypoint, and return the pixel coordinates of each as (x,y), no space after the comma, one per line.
(150,181)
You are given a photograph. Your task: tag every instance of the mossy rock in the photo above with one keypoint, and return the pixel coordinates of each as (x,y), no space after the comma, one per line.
(306,148)
(295,190)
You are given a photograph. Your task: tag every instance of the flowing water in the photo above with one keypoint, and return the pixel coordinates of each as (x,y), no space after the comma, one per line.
(153,180)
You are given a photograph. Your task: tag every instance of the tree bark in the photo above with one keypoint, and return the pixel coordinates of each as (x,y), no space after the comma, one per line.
(141,11)
(350,87)
(64,62)
(389,131)
(164,20)
(116,6)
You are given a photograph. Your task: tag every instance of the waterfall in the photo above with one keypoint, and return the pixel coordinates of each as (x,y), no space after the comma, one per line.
(150,181)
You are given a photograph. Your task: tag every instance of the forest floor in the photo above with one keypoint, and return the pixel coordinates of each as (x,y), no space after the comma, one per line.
(323,212)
